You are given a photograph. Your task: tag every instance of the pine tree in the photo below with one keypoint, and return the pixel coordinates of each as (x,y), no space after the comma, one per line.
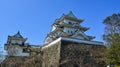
(112,39)
(112,25)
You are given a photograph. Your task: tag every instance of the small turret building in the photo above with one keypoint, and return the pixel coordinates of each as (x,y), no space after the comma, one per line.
(16,45)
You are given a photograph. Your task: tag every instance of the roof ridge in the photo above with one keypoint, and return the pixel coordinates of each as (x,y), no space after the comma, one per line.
(18,35)
(70,14)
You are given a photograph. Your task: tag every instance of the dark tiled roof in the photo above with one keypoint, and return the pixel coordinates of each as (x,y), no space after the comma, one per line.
(18,35)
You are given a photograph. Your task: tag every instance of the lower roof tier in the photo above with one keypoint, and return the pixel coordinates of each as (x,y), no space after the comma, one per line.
(75,41)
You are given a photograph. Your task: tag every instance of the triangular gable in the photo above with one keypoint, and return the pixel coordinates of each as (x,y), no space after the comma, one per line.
(18,35)
(80,35)
(70,14)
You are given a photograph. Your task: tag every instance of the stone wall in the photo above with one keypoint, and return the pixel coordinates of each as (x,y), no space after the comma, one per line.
(72,54)
(61,54)
(13,61)
(51,55)
(81,55)
(31,61)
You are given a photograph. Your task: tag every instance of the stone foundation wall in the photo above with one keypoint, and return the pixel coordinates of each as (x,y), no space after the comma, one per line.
(62,54)
(71,54)
(51,55)
(13,62)
(81,55)
(35,61)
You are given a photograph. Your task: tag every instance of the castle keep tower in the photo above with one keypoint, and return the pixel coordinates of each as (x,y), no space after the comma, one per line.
(68,46)
(16,45)
(68,26)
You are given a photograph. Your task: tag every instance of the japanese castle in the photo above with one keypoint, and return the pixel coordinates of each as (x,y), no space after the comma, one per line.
(68,26)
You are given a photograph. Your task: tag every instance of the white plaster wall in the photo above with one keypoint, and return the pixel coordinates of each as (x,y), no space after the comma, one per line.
(66,29)
(73,22)
(16,52)
(24,54)
(16,41)
(53,28)
(66,21)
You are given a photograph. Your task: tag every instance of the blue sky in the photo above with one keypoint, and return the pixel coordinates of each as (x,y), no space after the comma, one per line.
(33,18)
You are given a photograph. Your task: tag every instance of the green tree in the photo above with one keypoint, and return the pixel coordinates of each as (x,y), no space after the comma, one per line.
(112,25)
(112,38)
(113,52)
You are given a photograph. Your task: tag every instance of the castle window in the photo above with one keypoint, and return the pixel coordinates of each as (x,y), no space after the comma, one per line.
(61,26)
(23,44)
(71,32)
(76,23)
(70,22)
(68,31)
(24,50)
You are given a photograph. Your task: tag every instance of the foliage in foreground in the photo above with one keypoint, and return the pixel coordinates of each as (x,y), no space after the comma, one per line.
(113,51)
(112,38)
